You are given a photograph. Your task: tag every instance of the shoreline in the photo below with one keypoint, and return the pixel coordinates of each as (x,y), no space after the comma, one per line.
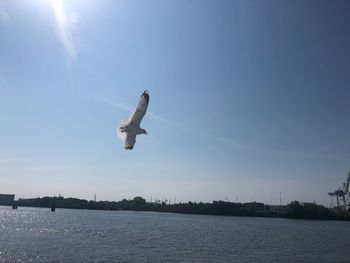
(293,210)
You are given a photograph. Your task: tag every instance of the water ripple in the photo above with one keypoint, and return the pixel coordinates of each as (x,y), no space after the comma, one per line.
(38,235)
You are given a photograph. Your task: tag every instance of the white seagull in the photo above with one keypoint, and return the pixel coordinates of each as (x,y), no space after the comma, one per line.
(127,130)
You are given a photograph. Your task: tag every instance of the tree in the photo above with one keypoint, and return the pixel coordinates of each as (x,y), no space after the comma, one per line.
(138,203)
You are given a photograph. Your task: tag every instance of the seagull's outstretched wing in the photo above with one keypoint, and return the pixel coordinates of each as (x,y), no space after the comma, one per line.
(127,130)
(130,140)
(141,109)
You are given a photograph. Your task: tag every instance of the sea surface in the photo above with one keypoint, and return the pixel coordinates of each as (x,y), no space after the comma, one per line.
(39,235)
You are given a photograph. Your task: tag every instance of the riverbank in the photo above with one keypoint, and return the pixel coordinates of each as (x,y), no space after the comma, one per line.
(295,209)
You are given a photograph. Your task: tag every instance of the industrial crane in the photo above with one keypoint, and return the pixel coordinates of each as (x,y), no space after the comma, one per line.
(346,189)
(343,193)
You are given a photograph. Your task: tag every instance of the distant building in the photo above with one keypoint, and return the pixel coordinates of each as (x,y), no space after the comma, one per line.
(254,206)
(280,209)
(6,199)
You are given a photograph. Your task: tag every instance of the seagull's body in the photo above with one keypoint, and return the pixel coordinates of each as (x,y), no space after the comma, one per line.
(127,130)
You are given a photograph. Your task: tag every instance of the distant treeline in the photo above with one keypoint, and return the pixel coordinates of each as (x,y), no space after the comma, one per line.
(294,209)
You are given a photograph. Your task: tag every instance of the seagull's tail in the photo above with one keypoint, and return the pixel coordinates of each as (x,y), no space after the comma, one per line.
(122,134)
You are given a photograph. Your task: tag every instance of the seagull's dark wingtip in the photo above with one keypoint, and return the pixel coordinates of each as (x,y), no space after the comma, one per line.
(145,95)
(129,147)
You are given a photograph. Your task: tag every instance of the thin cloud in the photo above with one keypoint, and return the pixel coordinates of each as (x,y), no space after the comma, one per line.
(65,22)
(1,78)
(159,118)
(4,17)
(108,102)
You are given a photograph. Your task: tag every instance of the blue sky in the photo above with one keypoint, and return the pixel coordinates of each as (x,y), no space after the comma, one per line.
(248,98)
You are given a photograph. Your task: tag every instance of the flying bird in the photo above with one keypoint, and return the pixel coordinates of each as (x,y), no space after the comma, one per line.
(128,129)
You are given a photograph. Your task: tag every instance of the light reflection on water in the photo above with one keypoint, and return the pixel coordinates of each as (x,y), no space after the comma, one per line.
(38,235)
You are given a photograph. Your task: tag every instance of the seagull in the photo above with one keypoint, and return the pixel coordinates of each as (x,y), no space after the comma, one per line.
(128,129)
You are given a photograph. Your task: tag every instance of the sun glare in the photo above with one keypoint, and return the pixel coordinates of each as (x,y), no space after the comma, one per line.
(65,21)
(58,8)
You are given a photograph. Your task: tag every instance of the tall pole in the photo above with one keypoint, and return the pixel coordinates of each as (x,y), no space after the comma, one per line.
(337,200)
(332,201)
(281,198)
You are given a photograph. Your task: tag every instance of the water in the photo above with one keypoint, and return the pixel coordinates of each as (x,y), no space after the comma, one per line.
(38,235)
